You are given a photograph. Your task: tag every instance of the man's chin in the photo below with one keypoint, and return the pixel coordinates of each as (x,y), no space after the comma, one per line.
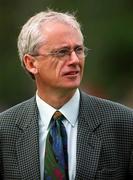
(72,86)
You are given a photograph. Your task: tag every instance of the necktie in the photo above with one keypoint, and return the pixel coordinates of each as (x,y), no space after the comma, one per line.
(56,158)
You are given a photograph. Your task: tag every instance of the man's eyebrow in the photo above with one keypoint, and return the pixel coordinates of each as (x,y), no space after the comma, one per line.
(68,47)
(60,48)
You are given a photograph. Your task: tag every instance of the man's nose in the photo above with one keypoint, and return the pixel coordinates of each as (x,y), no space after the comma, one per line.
(73,57)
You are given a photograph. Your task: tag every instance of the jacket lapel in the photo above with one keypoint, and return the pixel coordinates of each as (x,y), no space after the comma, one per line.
(27,146)
(88,144)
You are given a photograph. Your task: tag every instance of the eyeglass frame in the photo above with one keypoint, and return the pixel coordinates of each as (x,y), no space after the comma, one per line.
(68,51)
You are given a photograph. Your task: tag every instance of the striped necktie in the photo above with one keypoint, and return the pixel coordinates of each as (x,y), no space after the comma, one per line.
(56,158)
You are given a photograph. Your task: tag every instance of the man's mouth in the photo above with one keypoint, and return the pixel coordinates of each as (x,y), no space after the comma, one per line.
(71,73)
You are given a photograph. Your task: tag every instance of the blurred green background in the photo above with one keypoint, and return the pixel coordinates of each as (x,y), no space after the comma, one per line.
(108,31)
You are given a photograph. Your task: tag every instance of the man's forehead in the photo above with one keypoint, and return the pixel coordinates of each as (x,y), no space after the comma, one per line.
(57,25)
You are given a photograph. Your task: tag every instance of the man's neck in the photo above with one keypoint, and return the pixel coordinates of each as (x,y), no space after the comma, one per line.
(56,99)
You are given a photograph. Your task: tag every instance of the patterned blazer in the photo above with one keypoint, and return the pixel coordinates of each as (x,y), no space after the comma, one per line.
(104,141)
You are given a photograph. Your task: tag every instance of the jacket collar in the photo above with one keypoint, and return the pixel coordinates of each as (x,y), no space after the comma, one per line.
(88,144)
(27,146)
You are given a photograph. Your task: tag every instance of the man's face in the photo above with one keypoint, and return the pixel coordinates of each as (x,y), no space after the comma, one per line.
(64,72)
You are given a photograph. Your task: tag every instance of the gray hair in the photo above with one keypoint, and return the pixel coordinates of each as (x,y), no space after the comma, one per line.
(31,38)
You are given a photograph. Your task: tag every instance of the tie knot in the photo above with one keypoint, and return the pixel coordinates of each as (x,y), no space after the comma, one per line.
(57,115)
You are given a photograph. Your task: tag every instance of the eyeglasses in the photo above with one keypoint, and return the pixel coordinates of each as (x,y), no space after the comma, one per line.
(65,53)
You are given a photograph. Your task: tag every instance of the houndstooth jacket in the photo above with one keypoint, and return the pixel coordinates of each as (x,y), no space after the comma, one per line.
(104,141)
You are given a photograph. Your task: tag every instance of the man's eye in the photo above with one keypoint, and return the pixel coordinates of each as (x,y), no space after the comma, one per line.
(62,52)
(79,50)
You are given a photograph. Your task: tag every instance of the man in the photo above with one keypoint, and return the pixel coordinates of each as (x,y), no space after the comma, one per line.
(99,132)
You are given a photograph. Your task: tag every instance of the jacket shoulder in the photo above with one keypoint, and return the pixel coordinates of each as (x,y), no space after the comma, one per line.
(17,110)
(104,106)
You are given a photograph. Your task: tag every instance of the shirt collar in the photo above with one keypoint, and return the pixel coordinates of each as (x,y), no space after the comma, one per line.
(69,110)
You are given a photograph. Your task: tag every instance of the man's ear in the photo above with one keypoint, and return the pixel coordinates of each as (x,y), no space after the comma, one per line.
(30,63)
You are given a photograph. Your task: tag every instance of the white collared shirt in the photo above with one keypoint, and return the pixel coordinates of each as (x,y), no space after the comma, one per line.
(70,110)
